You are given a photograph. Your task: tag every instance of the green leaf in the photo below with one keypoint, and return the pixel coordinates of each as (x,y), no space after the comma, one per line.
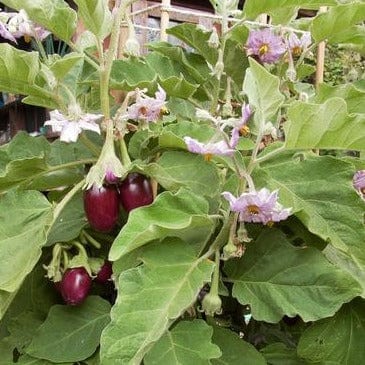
(196,38)
(178,87)
(304,283)
(150,297)
(325,125)
(187,343)
(28,360)
(70,221)
(339,340)
(334,24)
(78,331)
(176,169)
(24,216)
(54,15)
(262,89)
(18,70)
(235,351)
(253,8)
(182,214)
(279,354)
(6,351)
(96,16)
(327,203)
(354,97)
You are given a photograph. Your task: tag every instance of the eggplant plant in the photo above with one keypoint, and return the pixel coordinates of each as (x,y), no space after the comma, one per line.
(202,205)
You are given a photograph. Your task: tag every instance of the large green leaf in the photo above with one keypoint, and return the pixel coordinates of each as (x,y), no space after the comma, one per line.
(262,89)
(320,191)
(24,217)
(150,297)
(333,24)
(182,214)
(326,125)
(96,16)
(177,169)
(54,15)
(353,96)
(339,340)
(187,343)
(29,360)
(304,283)
(78,331)
(253,8)
(235,351)
(327,204)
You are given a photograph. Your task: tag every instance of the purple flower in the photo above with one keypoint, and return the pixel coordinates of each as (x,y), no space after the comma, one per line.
(4,32)
(258,206)
(146,108)
(266,45)
(209,149)
(71,127)
(359,181)
(296,45)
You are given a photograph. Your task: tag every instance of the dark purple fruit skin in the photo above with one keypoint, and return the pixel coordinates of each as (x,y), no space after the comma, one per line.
(135,191)
(105,273)
(101,207)
(75,285)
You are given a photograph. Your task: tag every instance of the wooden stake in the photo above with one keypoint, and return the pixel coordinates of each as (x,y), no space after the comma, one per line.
(320,56)
(165,18)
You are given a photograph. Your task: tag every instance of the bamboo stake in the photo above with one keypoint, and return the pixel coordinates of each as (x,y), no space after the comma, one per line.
(165,18)
(320,56)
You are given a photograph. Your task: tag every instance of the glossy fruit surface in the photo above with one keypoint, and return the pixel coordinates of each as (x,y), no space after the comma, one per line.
(101,207)
(75,285)
(105,273)
(135,191)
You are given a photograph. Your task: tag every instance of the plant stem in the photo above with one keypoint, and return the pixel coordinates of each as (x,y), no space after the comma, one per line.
(61,205)
(91,239)
(270,154)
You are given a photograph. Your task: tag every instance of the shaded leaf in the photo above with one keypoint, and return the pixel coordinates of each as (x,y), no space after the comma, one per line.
(182,214)
(235,351)
(303,284)
(187,343)
(24,216)
(326,125)
(78,331)
(279,354)
(339,340)
(170,279)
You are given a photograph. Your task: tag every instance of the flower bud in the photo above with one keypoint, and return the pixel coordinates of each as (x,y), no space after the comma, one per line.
(213,40)
(132,47)
(212,304)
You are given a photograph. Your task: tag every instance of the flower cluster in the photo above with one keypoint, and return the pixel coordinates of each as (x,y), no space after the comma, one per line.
(17,25)
(72,125)
(222,147)
(269,47)
(258,206)
(146,108)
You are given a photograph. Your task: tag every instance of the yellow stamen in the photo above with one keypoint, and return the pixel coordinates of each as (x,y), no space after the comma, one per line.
(253,209)
(270,223)
(27,38)
(263,49)
(208,156)
(296,51)
(245,131)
